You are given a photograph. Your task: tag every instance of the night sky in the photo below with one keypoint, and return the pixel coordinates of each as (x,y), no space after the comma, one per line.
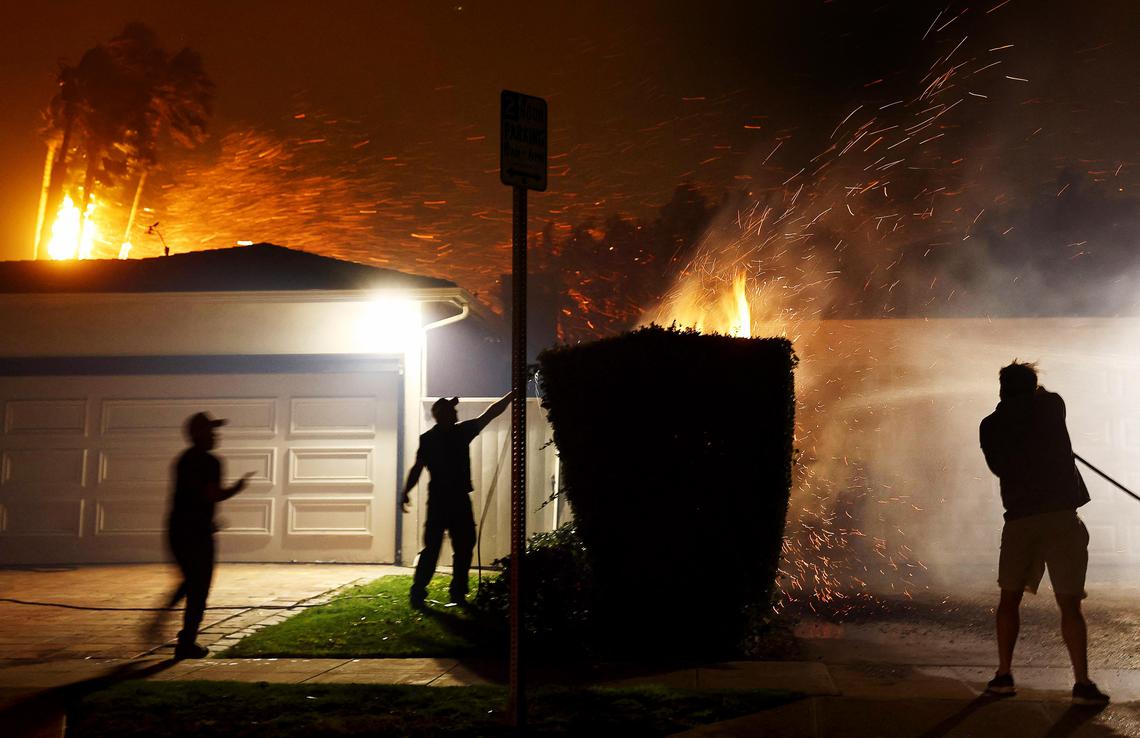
(369,131)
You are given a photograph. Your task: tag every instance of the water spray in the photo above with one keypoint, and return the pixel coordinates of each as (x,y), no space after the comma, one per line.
(1109,479)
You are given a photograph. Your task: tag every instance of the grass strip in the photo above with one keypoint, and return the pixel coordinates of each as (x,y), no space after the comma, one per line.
(383,626)
(234,709)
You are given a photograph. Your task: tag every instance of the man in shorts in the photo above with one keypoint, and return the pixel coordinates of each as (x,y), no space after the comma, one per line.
(1027,446)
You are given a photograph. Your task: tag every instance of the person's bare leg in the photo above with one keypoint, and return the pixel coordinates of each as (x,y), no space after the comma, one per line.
(1008,626)
(1076,635)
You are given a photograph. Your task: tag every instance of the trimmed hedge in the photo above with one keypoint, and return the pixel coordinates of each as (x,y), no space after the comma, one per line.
(557,589)
(676,452)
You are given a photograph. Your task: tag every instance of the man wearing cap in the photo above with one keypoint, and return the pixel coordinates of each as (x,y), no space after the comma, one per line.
(197,490)
(443,450)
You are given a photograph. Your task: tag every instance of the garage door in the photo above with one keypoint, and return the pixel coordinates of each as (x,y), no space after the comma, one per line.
(86,459)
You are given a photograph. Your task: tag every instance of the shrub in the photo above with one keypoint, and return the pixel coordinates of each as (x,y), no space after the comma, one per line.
(676,457)
(557,590)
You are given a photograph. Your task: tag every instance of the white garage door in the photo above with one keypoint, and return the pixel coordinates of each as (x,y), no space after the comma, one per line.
(86,460)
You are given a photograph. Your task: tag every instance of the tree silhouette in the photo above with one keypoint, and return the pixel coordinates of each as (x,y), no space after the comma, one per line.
(179,104)
(600,278)
(121,99)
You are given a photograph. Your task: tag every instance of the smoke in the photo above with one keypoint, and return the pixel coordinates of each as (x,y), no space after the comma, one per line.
(917,207)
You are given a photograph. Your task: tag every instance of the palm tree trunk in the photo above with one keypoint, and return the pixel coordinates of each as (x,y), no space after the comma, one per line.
(55,184)
(41,213)
(134,210)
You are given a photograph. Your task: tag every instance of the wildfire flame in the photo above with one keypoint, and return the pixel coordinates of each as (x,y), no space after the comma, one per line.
(743,326)
(713,310)
(65,231)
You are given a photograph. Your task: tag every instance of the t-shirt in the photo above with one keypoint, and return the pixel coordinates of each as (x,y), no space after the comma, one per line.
(193,510)
(1027,446)
(443,450)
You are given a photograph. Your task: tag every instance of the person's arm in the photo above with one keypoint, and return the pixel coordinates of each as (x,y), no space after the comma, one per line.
(496,409)
(218,493)
(413,478)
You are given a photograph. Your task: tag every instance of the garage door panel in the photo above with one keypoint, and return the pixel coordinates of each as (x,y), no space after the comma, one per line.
(331,467)
(261,462)
(247,516)
(338,417)
(46,470)
(119,516)
(55,416)
(41,518)
(164,417)
(132,468)
(325,516)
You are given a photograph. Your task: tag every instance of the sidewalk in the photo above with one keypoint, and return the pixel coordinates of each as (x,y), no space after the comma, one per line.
(841,700)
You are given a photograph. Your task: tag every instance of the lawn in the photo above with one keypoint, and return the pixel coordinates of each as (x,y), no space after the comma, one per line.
(224,709)
(374,620)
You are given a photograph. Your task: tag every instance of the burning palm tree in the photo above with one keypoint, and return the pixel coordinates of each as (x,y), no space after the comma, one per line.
(122,99)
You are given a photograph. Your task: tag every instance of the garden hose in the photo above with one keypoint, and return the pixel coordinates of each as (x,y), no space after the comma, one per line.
(1109,479)
(96,608)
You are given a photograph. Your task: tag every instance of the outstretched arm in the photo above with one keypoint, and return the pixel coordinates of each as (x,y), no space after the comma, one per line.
(496,409)
(218,493)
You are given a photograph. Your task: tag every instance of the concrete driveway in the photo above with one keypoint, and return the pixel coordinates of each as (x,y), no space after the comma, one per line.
(50,633)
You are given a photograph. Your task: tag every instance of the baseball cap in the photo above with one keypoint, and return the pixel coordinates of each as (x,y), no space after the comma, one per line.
(442,403)
(200,422)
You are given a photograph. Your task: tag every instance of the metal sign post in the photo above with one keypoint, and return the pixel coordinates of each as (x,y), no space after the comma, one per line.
(522,166)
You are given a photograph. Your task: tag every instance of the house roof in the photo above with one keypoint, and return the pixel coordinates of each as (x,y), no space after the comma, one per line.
(262,267)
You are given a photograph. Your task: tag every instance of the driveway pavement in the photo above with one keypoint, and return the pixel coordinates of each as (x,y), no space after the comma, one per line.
(50,654)
(36,632)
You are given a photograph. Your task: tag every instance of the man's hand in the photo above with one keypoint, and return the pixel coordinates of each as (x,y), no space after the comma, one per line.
(240,484)
(220,495)
(405,501)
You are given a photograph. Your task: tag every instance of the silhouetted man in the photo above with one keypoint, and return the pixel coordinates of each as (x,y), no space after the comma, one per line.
(443,450)
(1027,446)
(197,490)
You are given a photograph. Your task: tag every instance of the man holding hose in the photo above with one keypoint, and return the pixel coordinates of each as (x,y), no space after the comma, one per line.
(1027,446)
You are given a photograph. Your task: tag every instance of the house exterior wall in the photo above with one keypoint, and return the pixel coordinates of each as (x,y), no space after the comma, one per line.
(65,343)
(70,362)
(178,324)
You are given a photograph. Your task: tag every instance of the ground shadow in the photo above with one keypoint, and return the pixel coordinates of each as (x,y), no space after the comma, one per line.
(1073,718)
(487,658)
(42,713)
(481,659)
(953,721)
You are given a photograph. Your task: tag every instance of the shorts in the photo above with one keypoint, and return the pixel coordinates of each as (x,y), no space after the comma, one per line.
(1058,541)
